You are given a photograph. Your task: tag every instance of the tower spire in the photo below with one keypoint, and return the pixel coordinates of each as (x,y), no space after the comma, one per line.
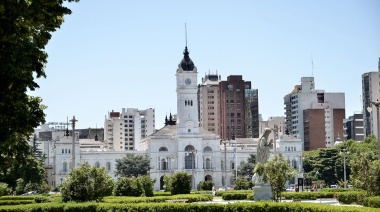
(186,34)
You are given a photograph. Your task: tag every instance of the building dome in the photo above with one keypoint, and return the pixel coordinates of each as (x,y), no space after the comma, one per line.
(186,63)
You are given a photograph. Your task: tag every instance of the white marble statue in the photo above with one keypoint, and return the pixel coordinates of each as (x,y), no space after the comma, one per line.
(263,147)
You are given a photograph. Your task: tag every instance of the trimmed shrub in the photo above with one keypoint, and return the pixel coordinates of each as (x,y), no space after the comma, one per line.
(205,185)
(41,199)
(181,183)
(220,193)
(127,186)
(161,193)
(189,197)
(167,183)
(86,183)
(234,196)
(351,197)
(15,202)
(147,186)
(373,202)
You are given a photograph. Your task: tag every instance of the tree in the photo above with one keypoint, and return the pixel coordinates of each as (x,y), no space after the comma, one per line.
(25,30)
(361,170)
(147,185)
(128,186)
(132,165)
(167,183)
(86,183)
(181,183)
(205,185)
(243,184)
(276,171)
(246,168)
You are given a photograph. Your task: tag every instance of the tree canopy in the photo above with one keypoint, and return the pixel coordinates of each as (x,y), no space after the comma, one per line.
(25,30)
(132,165)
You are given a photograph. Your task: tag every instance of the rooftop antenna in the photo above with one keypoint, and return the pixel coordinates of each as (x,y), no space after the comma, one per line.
(312,65)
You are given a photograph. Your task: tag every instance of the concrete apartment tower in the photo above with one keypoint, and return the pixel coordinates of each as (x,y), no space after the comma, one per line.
(123,131)
(314,115)
(208,95)
(370,92)
(354,127)
(232,107)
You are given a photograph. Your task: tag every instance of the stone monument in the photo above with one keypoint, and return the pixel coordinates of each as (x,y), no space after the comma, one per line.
(262,191)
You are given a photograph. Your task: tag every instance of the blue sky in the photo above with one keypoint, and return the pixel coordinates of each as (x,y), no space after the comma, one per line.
(110,55)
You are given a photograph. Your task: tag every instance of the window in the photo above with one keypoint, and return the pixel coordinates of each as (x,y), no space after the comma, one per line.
(163,149)
(97,165)
(108,166)
(64,167)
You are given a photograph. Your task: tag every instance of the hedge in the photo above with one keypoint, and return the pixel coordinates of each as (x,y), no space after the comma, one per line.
(351,197)
(179,207)
(373,202)
(235,196)
(190,197)
(220,193)
(15,202)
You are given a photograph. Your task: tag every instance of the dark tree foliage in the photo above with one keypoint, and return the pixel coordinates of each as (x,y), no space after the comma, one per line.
(132,165)
(25,29)
(181,183)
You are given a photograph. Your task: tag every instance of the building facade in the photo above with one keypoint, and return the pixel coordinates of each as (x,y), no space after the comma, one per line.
(251,119)
(354,127)
(370,92)
(304,103)
(209,103)
(232,107)
(123,131)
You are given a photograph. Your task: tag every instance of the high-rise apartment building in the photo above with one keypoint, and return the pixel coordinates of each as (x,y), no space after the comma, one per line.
(251,117)
(315,115)
(123,131)
(208,92)
(370,92)
(354,127)
(232,107)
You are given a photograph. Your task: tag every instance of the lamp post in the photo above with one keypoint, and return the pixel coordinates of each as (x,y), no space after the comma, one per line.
(192,152)
(377,105)
(316,174)
(61,180)
(343,151)
(224,142)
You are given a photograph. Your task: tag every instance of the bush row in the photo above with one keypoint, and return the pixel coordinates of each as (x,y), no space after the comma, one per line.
(220,193)
(351,197)
(174,207)
(373,202)
(235,196)
(15,202)
(190,197)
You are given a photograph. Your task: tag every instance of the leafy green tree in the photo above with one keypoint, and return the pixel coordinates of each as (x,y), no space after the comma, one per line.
(86,183)
(128,186)
(26,28)
(243,184)
(4,190)
(374,179)
(132,165)
(167,183)
(276,172)
(181,183)
(246,168)
(361,170)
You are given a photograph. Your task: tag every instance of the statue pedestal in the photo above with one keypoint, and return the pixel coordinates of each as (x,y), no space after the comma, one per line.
(263,192)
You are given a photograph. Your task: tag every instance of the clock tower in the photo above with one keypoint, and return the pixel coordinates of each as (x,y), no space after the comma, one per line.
(187,97)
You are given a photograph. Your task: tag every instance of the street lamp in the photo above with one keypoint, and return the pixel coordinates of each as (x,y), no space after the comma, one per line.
(316,174)
(344,152)
(61,179)
(377,105)
(192,152)
(224,142)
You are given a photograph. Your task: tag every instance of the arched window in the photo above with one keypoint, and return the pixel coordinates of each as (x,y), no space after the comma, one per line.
(208,163)
(164,164)
(163,149)
(97,165)
(294,163)
(63,151)
(64,167)
(189,157)
(69,150)
(207,149)
(108,166)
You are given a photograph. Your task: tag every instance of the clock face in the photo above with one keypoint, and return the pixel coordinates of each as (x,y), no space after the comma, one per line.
(188,81)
